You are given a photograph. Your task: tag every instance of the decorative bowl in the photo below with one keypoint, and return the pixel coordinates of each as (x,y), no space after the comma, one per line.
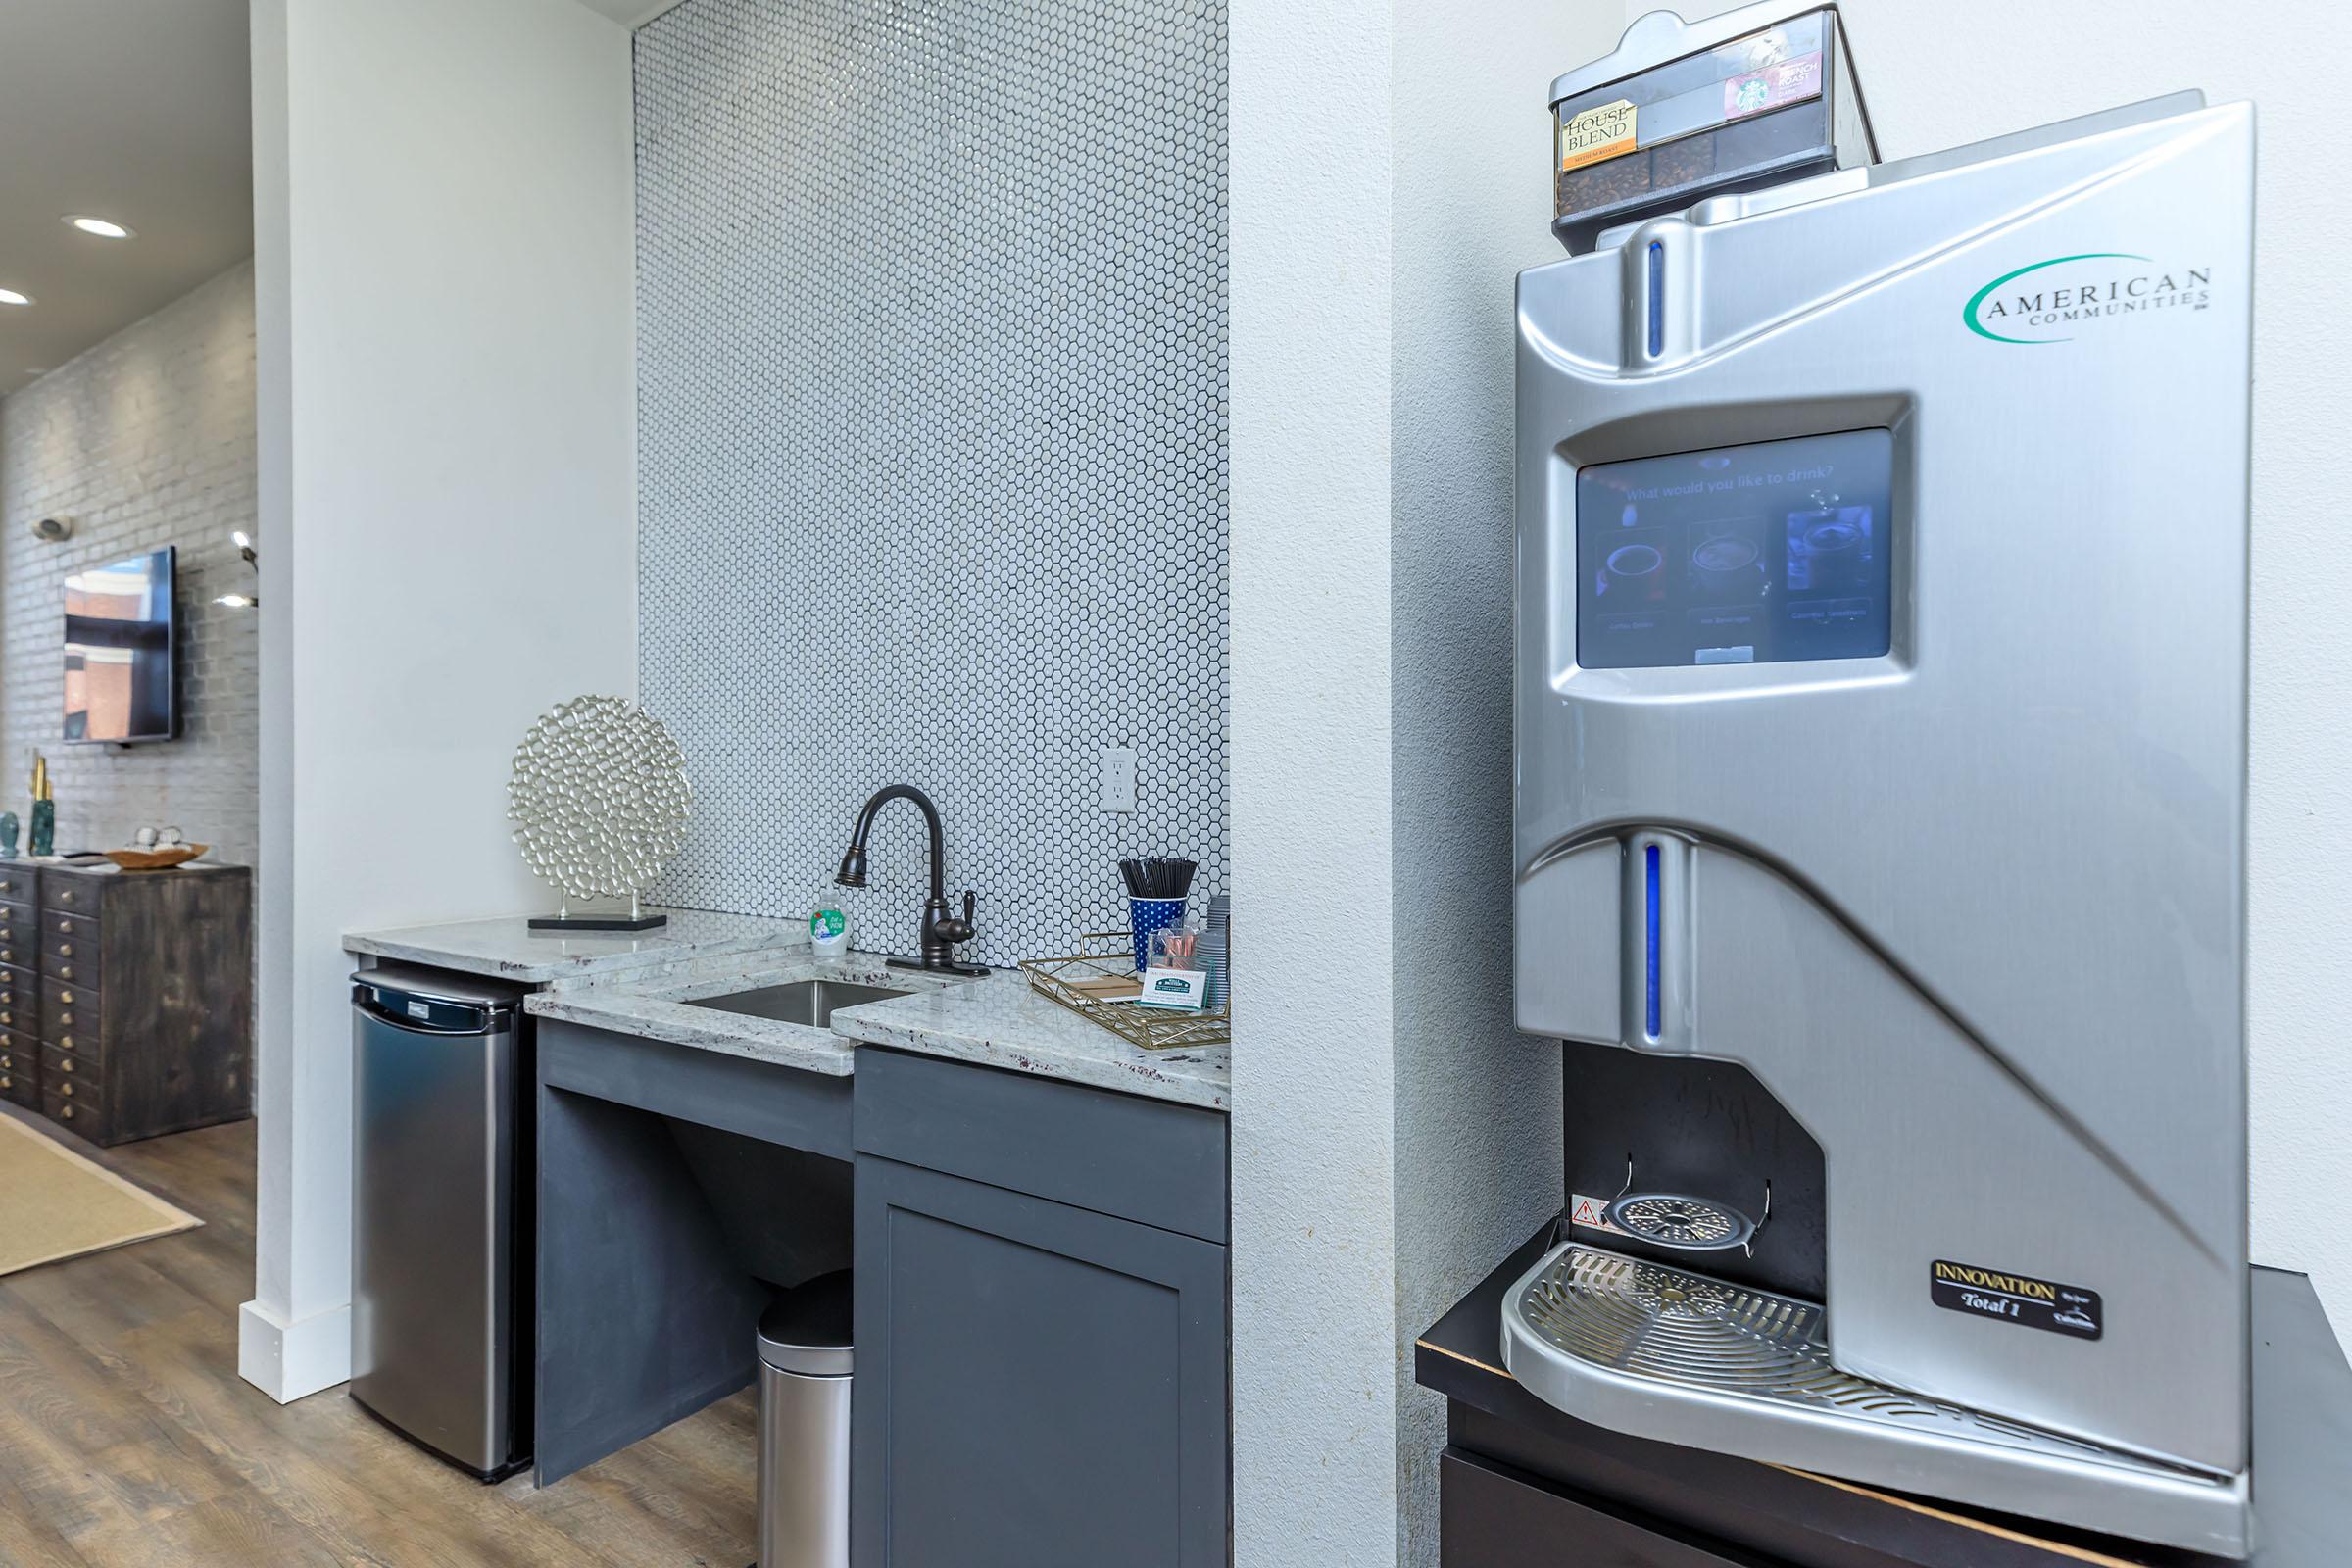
(159,860)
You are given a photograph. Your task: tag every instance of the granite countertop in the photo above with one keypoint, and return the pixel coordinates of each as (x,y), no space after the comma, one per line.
(509,949)
(995,1020)
(646,983)
(999,1021)
(667,1011)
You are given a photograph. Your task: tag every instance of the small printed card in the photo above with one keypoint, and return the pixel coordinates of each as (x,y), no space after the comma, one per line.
(1179,988)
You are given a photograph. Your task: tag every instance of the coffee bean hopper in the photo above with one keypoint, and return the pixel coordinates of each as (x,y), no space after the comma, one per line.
(1882,785)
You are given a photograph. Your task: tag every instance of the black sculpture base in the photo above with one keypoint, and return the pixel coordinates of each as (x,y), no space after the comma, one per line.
(597,922)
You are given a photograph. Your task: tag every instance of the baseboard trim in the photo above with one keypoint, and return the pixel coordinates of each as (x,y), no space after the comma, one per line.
(289,1360)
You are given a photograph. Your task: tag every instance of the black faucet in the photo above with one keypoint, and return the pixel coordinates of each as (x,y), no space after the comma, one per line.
(942,931)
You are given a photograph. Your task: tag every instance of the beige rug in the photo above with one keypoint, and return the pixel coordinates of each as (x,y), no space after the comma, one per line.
(54,1204)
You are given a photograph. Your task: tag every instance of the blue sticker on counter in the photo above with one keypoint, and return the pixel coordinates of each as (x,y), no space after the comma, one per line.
(2018,1299)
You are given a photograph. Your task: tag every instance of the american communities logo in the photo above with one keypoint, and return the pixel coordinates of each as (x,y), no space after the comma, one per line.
(2068,291)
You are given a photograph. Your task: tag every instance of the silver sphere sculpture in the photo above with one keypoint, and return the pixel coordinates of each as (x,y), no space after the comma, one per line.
(599,797)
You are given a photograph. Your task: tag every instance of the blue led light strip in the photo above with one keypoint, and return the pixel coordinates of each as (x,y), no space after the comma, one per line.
(1650,864)
(1657,304)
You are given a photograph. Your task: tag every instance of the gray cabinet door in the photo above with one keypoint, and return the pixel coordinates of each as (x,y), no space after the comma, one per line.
(1038,1385)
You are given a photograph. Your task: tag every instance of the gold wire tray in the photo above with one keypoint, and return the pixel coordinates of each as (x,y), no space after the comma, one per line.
(1077,982)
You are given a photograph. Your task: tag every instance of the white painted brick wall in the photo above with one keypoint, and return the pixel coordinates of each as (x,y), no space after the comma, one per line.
(146,440)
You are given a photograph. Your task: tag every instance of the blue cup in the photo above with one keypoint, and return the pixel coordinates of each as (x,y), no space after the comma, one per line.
(1147,916)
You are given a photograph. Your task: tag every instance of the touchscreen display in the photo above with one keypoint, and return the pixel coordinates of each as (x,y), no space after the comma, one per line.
(1750,554)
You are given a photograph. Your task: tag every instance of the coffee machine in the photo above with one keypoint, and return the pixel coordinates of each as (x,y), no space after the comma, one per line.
(1881,786)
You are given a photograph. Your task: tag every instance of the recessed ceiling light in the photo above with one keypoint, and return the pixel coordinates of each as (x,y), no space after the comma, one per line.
(103,227)
(9,296)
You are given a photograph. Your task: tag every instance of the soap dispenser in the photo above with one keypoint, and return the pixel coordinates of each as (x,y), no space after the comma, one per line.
(828,926)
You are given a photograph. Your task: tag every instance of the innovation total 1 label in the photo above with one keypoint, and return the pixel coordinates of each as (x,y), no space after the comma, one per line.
(2018,1299)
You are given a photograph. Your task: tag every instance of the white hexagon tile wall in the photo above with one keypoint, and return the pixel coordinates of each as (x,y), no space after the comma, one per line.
(932,343)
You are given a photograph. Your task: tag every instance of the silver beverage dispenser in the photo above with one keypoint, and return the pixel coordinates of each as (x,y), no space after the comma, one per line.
(1880,700)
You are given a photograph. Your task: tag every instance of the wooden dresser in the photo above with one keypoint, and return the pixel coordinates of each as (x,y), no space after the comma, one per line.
(126,1000)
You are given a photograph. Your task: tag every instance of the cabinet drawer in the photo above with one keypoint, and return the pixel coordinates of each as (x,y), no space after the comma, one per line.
(1142,1159)
(19,1000)
(16,884)
(68,1067)
(20,928)
(70,1017)
(70,948)
(70,894)
(68,1105)
(20,1073)
(1492,1516)
(69,1088)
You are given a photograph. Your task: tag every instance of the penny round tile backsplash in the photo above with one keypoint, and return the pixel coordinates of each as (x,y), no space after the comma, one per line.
(932,446)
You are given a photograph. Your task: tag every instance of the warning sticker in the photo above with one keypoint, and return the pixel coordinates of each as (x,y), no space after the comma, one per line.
(1593,1213)
(2018,1299)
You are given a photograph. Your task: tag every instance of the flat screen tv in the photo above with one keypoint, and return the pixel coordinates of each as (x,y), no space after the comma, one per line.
(120,652)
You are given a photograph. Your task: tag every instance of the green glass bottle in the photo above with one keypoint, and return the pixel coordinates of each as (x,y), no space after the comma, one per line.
(42,840)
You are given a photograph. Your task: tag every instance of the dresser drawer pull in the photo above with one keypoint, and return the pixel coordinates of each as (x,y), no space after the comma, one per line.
(65,999)
(65,949)
(66,1112)
(6,1082)
(65,1042)
(67,1065)
(63,924)
(66,896)
(64,971)
(67,1091)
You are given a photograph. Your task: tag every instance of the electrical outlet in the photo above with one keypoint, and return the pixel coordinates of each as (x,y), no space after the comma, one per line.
(1118,778)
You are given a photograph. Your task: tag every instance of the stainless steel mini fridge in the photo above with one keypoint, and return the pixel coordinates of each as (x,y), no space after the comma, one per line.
(441,1235)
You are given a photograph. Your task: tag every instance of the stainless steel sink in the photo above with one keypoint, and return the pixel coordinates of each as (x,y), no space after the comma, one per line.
(809,1002)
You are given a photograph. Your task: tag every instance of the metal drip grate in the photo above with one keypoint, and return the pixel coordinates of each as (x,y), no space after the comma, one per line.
(1651,1321)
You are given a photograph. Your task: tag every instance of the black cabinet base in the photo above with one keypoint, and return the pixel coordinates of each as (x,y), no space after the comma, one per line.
(1493,1516)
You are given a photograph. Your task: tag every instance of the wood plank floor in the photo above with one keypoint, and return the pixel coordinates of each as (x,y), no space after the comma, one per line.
(128,1441)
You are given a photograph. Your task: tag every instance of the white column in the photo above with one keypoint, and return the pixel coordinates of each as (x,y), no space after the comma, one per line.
(1315,1320)
(443,230)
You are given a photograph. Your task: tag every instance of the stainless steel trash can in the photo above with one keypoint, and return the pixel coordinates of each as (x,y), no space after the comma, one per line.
(805,1349)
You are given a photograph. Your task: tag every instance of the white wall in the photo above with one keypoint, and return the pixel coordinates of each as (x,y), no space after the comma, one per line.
(443,273)
(142,441)
(1477,1103)
(1314,1310)
(2068,58)
(1393,1136)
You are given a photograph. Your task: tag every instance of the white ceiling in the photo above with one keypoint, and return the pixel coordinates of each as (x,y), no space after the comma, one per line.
(133,110)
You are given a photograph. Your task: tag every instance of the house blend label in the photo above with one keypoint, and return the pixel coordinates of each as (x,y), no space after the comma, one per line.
(2018,1299)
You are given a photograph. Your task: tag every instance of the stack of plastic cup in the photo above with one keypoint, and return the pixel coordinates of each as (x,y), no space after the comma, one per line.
(1216,952)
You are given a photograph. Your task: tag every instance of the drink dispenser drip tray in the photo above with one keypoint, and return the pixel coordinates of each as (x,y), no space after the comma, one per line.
(1683,1222)
(1675,1355)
